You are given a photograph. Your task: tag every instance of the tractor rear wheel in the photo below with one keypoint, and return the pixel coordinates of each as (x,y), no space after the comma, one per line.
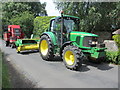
(46,48)
(72,57)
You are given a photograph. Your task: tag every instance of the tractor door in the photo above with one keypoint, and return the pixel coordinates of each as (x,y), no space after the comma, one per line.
(55,28)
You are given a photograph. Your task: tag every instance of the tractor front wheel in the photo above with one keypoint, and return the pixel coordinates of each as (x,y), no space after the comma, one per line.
(72,57)
(46,48)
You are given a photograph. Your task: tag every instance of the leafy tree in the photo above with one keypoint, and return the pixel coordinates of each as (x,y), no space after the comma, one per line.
(0,19)
(41,24)
(12,9)
(22,13)
(94,16)
(25,20)
(37,8)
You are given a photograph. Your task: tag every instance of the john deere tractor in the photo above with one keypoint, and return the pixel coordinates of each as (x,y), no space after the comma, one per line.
(63,37)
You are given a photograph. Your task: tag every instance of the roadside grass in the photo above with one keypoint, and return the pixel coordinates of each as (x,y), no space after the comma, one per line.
(5,73)
(0,70)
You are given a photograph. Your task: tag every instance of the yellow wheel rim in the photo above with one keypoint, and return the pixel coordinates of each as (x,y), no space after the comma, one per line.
(44,47)
(69,57)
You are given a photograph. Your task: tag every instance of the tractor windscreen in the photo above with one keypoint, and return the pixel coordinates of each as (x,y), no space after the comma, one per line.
(71,24)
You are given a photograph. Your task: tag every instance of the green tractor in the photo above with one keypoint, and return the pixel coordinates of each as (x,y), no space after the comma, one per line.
(63,37)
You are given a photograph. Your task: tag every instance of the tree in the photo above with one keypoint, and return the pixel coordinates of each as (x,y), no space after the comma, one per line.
(94,16)
(25,20)
(12,9)
(37,8)
(41,24)
(22,13)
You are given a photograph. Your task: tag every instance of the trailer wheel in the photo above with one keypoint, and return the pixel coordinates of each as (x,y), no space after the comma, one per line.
(18,49)
(7,43)
(72,57)
(13,45)
(46,48)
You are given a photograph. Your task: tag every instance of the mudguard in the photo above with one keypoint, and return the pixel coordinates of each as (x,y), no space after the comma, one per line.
(65,44)
(51,36)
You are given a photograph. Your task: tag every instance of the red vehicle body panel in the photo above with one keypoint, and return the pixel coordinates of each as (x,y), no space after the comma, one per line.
(14,32)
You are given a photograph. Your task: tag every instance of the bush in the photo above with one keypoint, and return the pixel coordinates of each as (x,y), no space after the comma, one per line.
(41,24)
(117,40)
(113,57)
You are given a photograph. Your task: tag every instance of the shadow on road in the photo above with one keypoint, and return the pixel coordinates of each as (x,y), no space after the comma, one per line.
(56,58)
(17,78)
(29,52)
(102,66)
(86,64)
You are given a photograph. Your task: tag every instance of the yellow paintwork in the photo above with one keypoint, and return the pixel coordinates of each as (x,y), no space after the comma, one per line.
(79,34)
(28,47)
(44,47)
(69,57)
(18,49)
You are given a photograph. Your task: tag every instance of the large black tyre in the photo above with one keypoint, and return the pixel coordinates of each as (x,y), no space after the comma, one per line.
(13,45)
(72,57)
(7,43)
(46,48)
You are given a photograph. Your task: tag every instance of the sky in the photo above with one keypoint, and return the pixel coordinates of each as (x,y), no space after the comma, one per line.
(50,7)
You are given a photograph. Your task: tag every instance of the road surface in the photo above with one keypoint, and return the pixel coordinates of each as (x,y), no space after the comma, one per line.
(53,74)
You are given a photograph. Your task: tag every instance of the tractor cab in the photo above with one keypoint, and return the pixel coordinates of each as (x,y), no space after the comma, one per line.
(70,23)
(62,26)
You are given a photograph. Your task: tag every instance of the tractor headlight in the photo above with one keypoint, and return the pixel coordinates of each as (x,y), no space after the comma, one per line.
(93,42)
(90,41)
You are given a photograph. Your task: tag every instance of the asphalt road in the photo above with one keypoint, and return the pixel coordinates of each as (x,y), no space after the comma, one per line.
(53,74)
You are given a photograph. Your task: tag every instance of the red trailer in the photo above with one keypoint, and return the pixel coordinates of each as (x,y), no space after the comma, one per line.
(14,32)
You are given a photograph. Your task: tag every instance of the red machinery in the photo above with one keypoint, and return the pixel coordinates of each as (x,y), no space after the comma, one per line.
(14,32)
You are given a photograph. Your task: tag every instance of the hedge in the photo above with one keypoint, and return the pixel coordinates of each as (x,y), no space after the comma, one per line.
(117,40)
(41,24)
(114,57)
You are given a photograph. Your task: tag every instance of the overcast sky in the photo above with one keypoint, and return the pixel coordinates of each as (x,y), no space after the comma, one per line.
(50,7)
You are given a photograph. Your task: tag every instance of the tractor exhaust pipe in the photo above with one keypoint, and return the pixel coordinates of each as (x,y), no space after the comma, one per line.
(62,23)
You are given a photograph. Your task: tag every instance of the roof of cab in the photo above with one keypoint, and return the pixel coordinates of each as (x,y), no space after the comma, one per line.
(66,16)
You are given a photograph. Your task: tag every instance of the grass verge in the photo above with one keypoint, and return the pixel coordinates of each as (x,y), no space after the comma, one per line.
(6,83)
(0,70)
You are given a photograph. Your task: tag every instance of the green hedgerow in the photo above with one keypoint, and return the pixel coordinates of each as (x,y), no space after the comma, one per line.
(113,57)
(117,40)
(41,24)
